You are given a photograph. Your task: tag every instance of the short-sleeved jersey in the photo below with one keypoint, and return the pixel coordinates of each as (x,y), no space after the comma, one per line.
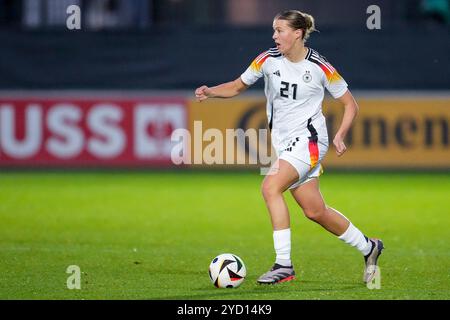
(294,91)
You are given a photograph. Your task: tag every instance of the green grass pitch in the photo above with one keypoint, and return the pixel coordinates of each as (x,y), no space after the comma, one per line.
(152,235)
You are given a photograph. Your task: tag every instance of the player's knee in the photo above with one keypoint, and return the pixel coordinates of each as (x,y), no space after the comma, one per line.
(314,214)
(270,190)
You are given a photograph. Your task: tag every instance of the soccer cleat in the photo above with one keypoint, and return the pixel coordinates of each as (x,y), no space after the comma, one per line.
(371,259)
(277,274)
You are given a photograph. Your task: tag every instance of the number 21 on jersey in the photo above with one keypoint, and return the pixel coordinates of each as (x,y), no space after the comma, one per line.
(284,89)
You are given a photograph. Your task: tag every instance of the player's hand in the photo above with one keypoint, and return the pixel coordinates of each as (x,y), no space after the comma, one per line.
(339,145)
(203,93)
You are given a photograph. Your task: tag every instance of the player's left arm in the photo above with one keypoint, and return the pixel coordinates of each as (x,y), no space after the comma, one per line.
(350,111)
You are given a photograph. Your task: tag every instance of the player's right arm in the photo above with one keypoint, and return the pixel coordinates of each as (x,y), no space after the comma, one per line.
(224,90)
(233,88)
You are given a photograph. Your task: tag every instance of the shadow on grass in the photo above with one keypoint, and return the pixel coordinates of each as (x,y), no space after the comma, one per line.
(268,292)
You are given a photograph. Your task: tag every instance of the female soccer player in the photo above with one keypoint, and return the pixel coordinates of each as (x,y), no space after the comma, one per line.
(295,78)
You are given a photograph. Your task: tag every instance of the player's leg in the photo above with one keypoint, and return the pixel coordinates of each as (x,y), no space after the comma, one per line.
(310,199)
(280,177)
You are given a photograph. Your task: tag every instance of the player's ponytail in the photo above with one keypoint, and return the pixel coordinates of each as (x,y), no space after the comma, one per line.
(298,20)
(310,25)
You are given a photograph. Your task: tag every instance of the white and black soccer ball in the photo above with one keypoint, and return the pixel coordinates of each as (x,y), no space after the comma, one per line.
(227,270)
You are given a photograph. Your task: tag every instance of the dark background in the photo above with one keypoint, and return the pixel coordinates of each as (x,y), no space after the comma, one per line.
(180,44)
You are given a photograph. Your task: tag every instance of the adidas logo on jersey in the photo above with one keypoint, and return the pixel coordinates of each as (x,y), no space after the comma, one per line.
(277,73)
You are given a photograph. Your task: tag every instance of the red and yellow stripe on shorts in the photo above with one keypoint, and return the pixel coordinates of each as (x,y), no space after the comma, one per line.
(313,145)
(313,152)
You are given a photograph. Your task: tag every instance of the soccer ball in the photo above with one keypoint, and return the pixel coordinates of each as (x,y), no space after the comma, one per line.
(227,270)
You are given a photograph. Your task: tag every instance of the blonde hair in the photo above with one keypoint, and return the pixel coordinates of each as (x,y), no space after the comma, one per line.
(298,20)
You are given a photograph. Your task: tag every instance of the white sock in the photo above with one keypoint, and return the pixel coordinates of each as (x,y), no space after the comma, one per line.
(282,245)
(355,238)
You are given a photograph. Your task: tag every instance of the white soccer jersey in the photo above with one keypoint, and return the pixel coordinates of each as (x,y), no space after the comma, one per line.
(294,92)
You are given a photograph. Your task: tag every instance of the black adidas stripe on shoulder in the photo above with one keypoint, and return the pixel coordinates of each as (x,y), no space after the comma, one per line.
(274,52)
(314,54)
(308,55)
(320,60)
